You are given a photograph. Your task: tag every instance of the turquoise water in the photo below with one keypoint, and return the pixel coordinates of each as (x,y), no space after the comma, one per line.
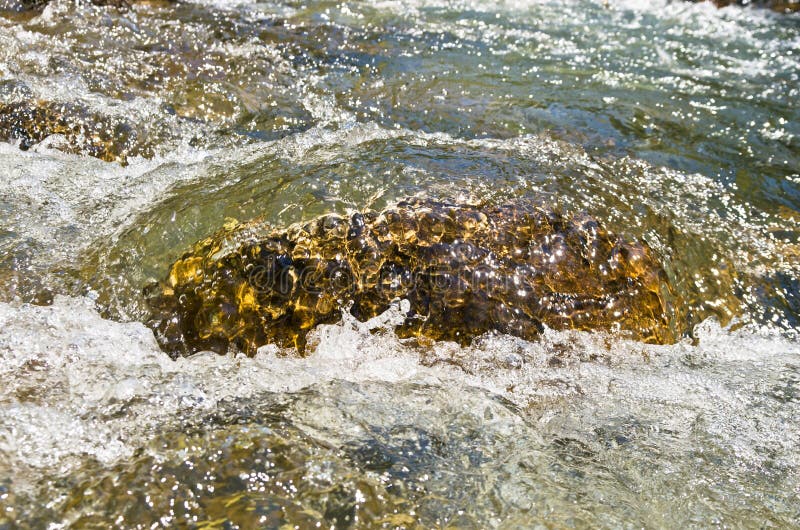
(675,123)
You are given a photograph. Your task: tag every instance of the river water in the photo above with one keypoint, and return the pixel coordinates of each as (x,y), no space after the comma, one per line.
(674,123)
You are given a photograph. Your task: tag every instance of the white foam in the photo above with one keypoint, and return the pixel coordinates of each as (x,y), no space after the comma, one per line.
(80,385)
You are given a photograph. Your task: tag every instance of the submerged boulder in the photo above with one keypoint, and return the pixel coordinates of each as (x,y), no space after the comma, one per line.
(109,139)
(464,269)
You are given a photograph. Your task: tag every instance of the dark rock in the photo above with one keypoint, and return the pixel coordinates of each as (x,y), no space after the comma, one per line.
(465,270)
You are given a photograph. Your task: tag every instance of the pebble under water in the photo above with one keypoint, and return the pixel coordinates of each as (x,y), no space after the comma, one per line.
(131,133)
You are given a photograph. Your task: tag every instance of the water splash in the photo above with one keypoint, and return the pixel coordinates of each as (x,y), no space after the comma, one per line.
(518,428)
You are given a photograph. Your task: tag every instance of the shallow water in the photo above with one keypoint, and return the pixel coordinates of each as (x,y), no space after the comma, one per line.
(673,123)
(577,429)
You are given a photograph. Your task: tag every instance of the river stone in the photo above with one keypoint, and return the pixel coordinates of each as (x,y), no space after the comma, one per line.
(109,139)
(465,270)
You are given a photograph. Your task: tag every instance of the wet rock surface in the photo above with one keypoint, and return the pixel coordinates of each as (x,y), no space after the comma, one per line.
(465,270)
(109,139)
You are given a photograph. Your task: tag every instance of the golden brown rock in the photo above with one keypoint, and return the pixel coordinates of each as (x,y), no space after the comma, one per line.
(465,270)
(108,139)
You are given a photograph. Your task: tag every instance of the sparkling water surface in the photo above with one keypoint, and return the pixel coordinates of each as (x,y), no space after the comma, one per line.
(670,122)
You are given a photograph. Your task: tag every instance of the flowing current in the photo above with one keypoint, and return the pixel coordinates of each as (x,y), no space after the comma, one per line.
(673,123)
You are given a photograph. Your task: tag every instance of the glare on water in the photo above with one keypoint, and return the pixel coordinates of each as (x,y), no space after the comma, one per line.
(137,132)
